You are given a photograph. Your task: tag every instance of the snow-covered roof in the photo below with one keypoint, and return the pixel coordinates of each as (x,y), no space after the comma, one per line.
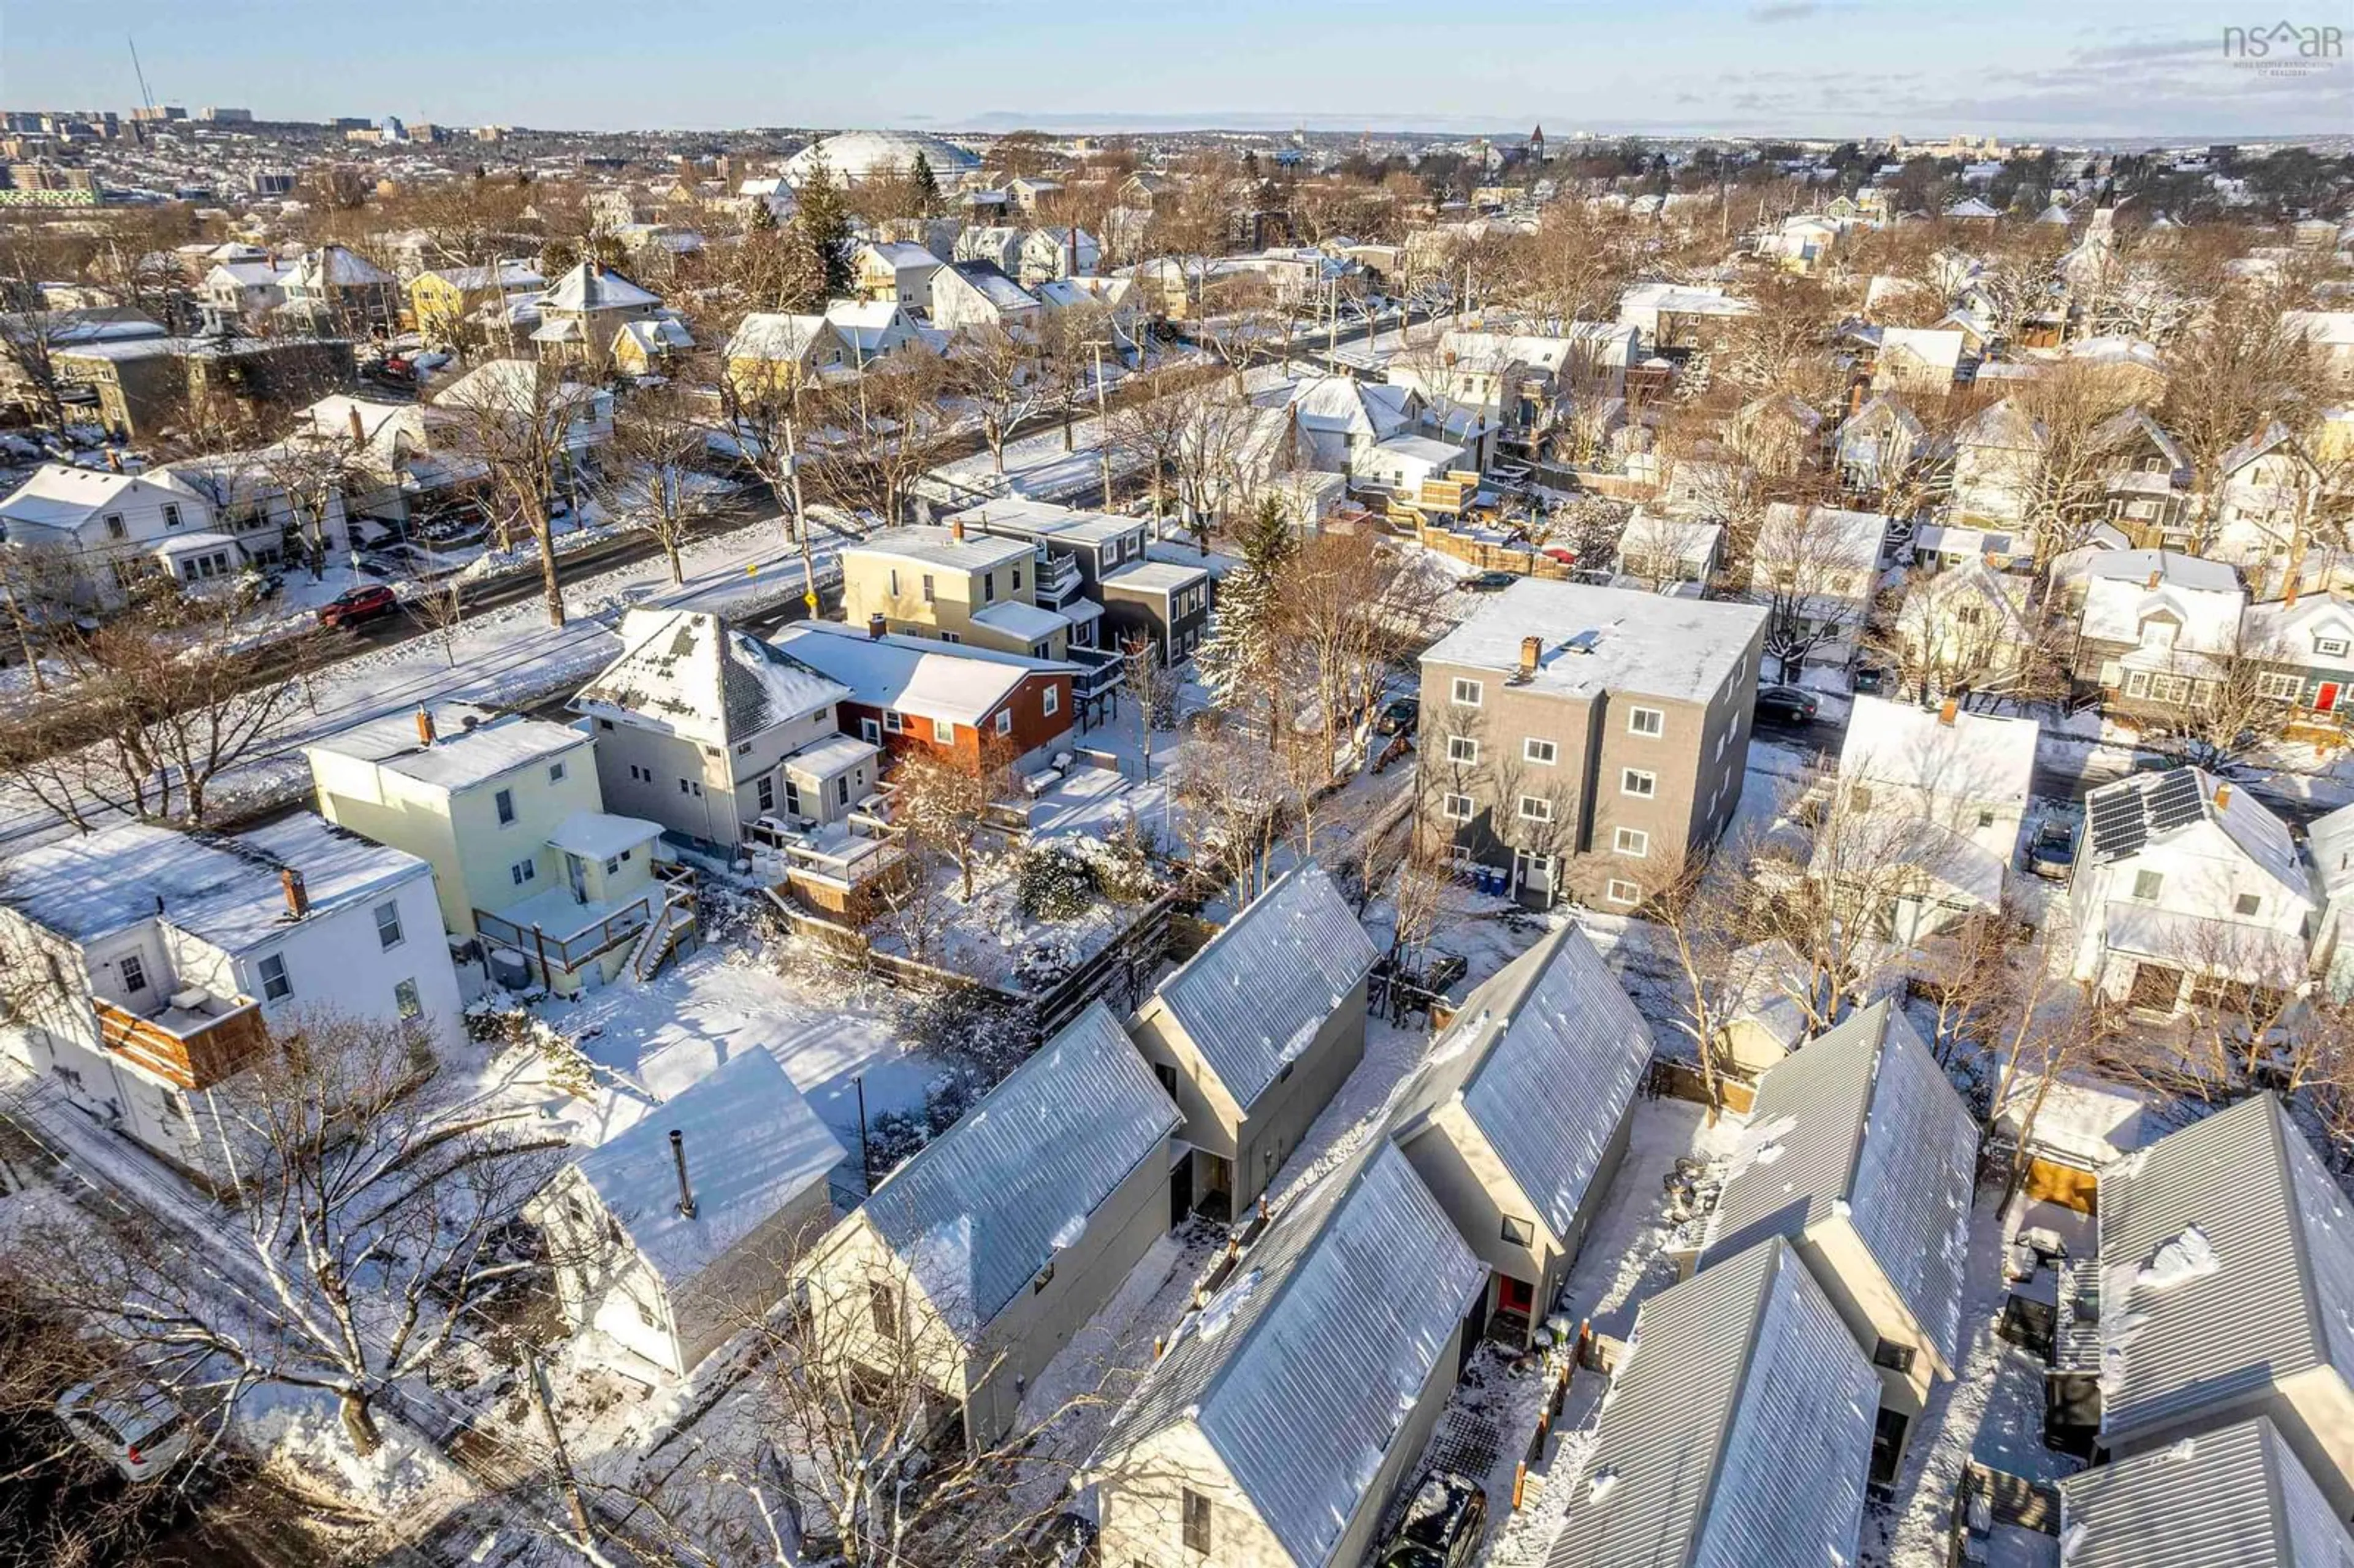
(332,265)
(600,835)
(1737,1429)
(1939,350)
(2204,597)
(655,335)
(2330,841)
(505,275)
(753,1148)
(2120,818)
(471,746)
(901,254)
(691,674)
(2234,1498)
(940,547)
(1016,618)
(1256,993)
(833,754)
(1344,404)
(1604,639)
(1300,1371)
(916,675)
(587,287)
(864,154)
(2227,1257)
(1545,1057)
(1030,518)
(225,891)
(989,279)
(1163,577)
(1863,1116)
(981,1210)
(56,496)
(773,334)
(1978,758)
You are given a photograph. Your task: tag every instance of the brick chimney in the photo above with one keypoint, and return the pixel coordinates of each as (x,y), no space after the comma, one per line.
(425,734)
(875,627)
(2156,576)
(2222,795)
(1945,715)
(1531,648)
(956,529)
(298,898)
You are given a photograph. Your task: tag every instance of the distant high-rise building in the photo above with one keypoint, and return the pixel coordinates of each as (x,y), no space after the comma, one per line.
(160,111)
(228,116)
(350,123)
(425,130)
(272,183)
(394,130)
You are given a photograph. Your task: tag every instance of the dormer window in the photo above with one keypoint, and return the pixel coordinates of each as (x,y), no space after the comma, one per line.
(2329,647)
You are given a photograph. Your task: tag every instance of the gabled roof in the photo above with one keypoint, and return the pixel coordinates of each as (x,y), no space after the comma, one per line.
(332,265)
(1343,403)
(588,287)
(2121,819)
(1973,757)
(1302,1369)
(2274,436)
(2264,1292)
(1252,999)
(753,1146)
(989,279)
(1863,1116)
(772,335)
(913,675)
(690,673)
(2136,425)
(1737,1431)
(1545,1057)
(470,746)
(982,1209)
(56,496)
(2233,1498)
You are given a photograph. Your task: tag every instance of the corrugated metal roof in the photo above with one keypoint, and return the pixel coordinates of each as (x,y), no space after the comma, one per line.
(983,1208)
(1546,1054)
(1253,999)
(1736,1435)
(1302,1370)
(2278,1301)
(2239,1498)
(1864,1116)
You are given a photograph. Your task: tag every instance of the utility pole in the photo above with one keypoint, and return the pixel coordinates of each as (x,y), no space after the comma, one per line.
(1103,421)
(800,518)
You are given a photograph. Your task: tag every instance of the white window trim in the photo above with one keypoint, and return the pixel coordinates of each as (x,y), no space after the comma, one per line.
(1462,748)
(1054,701)
(1626,776)
(1619,890)
(1642,841)
(1529,745)
(1446,808)
(1543,815)
(1005,721)
(944,732)
(1463,683)
(1661,714)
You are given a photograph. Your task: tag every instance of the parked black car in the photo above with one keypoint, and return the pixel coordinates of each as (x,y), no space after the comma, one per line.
(1398,715)
(1443,1525)
(1491,582)
(1785,705)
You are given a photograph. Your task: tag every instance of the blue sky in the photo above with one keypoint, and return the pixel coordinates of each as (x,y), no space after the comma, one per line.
(2013,67)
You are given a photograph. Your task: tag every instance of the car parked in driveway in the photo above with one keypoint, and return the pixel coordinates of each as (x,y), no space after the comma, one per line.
(1791,705)
(358,606)
(133,1424)
(1444,1524)
(1491,582)
(1398,715)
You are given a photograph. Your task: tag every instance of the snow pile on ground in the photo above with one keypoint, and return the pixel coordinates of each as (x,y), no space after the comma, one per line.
(301,1430)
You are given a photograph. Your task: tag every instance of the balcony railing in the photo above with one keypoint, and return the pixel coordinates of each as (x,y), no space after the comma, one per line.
(569,950)
(1099,671)
(1058,577)
(193,1041)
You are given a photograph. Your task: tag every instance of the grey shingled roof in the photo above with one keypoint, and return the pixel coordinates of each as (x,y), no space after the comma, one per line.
(1303,1368)
(689,671)
(2239,1498)
(1737,1434)
(1253,998)
(1863,1116)
(982,1209)
(1546,1056)
(2280,1299)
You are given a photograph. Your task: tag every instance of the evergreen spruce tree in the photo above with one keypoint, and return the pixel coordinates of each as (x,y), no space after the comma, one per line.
(1238,659)
(821,223)
(928,186)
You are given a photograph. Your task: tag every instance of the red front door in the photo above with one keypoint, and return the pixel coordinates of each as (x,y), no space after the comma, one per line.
(1513,1295)
(2326,699)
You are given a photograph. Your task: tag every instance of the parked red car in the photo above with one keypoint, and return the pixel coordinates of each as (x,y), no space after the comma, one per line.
(1568,557)
(358,606)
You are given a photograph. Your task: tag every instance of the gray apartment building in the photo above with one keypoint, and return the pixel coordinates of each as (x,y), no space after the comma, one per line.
(1582,740)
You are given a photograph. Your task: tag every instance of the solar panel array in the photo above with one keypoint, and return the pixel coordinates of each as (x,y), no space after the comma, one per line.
(2123,819)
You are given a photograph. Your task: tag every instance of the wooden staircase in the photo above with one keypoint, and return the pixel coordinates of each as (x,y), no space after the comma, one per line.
(663,935)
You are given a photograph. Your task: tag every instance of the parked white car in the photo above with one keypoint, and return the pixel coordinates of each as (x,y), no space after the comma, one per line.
(134,1424)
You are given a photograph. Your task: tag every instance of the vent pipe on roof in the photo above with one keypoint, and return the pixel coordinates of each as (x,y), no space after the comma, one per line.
(678,1158)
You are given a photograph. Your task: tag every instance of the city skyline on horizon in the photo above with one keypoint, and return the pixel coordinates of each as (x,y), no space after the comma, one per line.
(1836,69)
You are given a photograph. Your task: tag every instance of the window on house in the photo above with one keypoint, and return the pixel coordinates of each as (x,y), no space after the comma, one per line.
(2247,904)
(503,803)
(1620,891)
(1045,1277)
(613,865)
(134,972)
(1646,720)
(2329,647)
(944,731)
(1540,751)
(1466,692)
(406,1000)
(892,577)
(522,871)
(842,790)
(2147,883)
(388,926)
(276,985)
(1985,819)
(765,790)
(556,773)
(1017,579)
(116,528)
(951,636)
(927,589)
(892,722)
(1631,842)
(1520,1232)
(1462,748)
(870,732)
(1536,808)
(1457,808)
(1196,1520)
(1005,720)
(883,1300)
(1894,1357)
(2280,685)
(1637,782)
(1052,704)
(171,515)
(988,587)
